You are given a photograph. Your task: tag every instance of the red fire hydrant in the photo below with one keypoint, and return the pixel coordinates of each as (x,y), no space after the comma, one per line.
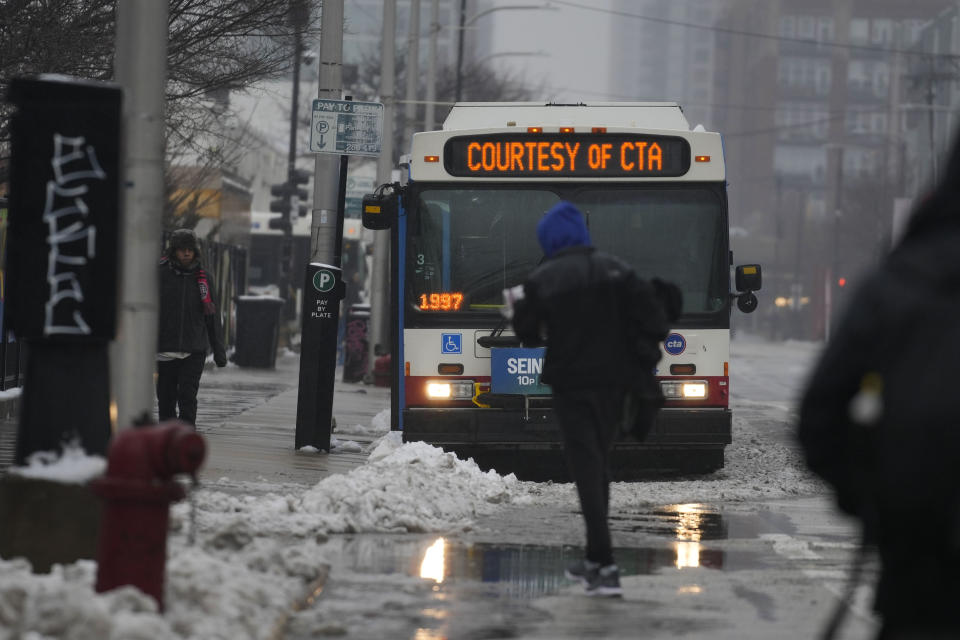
(381,371)
(137,490)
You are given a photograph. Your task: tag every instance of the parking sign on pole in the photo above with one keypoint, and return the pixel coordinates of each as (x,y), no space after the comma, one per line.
(346,127)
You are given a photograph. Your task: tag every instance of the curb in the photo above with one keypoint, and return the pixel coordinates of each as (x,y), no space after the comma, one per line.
(9,407)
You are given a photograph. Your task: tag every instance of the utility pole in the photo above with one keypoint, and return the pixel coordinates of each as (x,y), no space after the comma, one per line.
(379,281)
(322,284)
(413,65)
(430,108)
(461,33)
(140,65)
(324,242)
(298,17)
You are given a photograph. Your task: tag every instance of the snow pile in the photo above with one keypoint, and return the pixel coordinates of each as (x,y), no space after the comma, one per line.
(377,427)
(64,605)
(344,446)
(411,487)
(209,595)
(11,393)
(757,468)
(71,466)
(234,594)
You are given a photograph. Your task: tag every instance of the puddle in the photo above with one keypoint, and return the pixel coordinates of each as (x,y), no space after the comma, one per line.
(692,522)
(428,587)
(516,571)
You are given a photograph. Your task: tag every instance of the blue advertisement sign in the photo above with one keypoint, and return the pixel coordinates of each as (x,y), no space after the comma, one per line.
(517,371)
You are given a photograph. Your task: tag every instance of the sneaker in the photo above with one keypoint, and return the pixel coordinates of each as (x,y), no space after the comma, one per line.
(580,570)
(604,581)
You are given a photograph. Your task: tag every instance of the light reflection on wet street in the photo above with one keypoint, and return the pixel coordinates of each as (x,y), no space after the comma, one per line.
(430,587)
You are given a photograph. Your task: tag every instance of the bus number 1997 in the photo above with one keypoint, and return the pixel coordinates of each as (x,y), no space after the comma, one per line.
(441,301)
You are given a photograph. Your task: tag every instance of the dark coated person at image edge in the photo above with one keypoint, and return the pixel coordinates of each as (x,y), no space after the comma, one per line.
(879,424)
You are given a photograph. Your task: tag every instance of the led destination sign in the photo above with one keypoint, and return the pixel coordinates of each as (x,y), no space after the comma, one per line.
(561,155)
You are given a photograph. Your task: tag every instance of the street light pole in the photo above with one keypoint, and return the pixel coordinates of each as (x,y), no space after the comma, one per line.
(430,108)
(140,66)
(380,278)
(324,241)
(298,17)
(463,16)
(413,76)
(321,297)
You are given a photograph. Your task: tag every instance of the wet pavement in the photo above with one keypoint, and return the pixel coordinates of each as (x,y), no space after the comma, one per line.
(692,571)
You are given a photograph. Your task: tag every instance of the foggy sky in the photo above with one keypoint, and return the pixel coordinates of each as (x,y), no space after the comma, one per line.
(576,42)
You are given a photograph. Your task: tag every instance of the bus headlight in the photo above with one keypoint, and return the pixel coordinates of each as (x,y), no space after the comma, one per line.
(684,390)
(450,390)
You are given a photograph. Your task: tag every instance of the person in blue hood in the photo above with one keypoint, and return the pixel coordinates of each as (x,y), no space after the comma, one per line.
(562,227)
(601,325)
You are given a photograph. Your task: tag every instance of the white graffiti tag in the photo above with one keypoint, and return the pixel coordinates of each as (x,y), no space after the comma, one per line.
(72,240)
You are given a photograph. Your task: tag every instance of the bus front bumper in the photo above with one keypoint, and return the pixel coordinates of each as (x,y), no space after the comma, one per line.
(512,440)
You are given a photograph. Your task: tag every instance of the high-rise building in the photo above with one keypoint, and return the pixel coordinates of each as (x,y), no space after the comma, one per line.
(808,94)
(931,102)
(664,51)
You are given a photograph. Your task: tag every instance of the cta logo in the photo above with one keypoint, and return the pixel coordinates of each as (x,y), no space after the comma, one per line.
(674,344)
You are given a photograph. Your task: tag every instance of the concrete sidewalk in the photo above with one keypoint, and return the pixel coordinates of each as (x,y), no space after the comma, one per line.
(248,417)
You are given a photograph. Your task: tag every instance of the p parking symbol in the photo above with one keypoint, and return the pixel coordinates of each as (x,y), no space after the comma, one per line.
(324,280)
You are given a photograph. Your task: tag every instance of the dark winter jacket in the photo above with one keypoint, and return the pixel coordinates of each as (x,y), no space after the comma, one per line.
(184,325)
(600,322)
(897,470)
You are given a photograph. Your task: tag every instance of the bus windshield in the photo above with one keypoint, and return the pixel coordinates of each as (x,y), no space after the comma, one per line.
(465,245)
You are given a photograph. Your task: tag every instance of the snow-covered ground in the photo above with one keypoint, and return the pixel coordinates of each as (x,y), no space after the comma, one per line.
(256,556)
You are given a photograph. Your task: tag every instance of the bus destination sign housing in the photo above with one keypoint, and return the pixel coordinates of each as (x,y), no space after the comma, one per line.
(566,155)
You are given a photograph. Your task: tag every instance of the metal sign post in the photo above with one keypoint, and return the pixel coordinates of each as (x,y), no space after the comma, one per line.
(344,128)
(322,292)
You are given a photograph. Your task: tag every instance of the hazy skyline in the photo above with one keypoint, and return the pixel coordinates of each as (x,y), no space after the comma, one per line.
(575,41)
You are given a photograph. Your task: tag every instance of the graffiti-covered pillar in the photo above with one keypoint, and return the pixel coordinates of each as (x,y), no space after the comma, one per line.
(62,256)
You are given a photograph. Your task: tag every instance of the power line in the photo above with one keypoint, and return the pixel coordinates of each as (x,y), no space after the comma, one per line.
(751,34)
(786,105)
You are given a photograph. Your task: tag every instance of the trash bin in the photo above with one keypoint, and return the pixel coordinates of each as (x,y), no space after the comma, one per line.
(355,343)
(258,331)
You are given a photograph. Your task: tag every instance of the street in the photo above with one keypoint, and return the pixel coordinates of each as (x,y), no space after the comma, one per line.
(746,566)
(409,542)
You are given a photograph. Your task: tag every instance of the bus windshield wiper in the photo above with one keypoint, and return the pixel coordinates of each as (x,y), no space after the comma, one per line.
(496,339)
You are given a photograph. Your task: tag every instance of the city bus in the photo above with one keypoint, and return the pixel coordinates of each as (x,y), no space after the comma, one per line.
(463,228)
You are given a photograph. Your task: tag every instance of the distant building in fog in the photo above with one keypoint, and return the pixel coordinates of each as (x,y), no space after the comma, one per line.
(660,57)
(810,98)
(802,106)
(932,100)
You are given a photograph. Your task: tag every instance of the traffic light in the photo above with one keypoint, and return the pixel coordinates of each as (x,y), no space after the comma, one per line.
(841,282)
(284,203)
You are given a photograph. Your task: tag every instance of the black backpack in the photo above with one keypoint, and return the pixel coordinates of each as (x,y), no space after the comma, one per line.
(644,397)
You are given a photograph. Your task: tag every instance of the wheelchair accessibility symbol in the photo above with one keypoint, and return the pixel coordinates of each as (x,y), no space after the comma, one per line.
(451,343)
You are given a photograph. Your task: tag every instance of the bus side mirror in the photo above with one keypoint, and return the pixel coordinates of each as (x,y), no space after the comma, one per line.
(380,209)
(748,277)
